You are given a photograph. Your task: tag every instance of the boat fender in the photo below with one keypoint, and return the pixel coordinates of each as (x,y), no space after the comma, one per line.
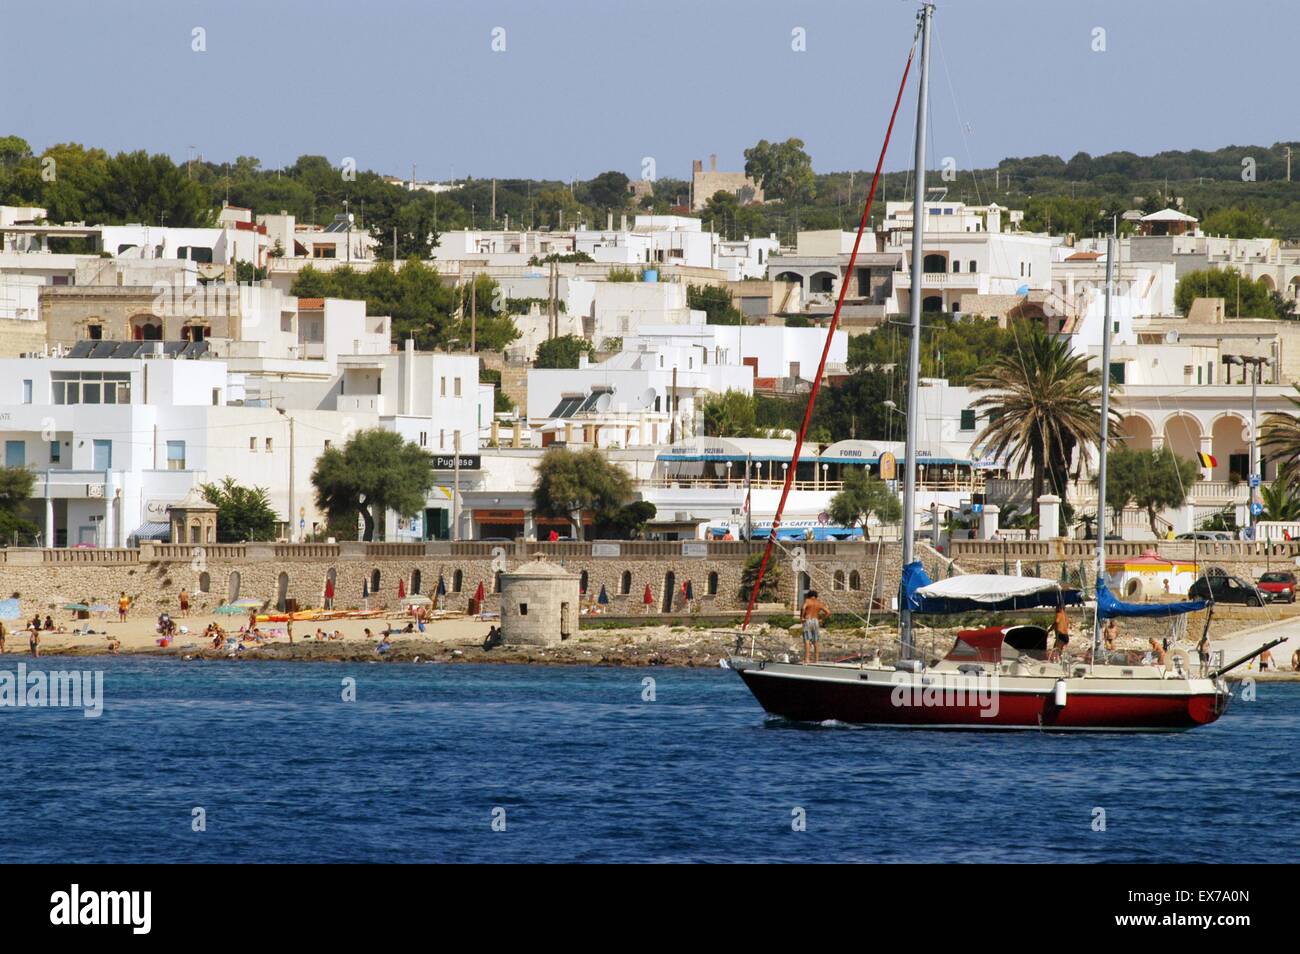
(1059,694)
(909,665)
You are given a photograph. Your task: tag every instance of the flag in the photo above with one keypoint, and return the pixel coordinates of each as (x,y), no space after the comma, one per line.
(1207,460)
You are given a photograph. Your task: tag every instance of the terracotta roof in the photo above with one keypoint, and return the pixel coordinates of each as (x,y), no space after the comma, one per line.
(1083,257)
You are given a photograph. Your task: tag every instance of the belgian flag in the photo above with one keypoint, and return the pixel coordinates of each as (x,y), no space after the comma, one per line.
(1207,460)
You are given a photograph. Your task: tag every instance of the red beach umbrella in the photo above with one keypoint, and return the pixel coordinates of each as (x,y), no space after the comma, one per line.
(329,589)
(478,594)
(401,589)
(649,597)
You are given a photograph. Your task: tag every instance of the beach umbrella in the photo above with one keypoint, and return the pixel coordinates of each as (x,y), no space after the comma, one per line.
(247,602)
(229,609)
(649,598)
(10,609)
(442,586)
(78,607)
(478,593)
(329,589)
(603,598)
(365,588)
(100,608)
(416,599)
(401,589)
(688,590)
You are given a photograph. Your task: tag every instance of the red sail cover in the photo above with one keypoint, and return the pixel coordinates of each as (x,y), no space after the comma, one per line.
(978,645)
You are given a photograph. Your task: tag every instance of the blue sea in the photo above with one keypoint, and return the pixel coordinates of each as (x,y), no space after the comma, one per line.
(514,763)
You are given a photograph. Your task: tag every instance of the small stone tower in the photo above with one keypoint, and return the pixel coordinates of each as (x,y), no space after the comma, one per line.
(539,604)
(193,520)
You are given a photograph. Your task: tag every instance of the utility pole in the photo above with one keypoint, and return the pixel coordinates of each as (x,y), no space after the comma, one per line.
(292,499)
(455,490)
(1288,163)
(494,203)
(672,409)
(473,313)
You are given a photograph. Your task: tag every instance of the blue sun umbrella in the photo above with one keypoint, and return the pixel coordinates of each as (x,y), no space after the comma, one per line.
(365,589)
(603,598)
(442,586)
(690,591)
(77,607)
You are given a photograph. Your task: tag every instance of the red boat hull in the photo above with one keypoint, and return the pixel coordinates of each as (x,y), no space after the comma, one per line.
(862,703)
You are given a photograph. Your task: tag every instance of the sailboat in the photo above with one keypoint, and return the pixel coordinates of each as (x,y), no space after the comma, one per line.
(996,677)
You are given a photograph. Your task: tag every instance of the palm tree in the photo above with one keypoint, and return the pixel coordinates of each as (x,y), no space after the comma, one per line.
(1042,406)
(1279,501)
(1280,440)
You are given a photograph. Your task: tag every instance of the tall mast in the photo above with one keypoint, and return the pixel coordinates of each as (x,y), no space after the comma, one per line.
(914,352)
(1102,448)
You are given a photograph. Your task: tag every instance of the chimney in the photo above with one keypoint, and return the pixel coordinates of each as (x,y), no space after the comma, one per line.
(713,162)
(609,222)
(697,165)
(623,222)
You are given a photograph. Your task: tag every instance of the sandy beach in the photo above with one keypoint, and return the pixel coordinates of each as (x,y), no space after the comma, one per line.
(460,639)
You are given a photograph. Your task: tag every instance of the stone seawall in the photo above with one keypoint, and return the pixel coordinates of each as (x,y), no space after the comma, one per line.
(153,575)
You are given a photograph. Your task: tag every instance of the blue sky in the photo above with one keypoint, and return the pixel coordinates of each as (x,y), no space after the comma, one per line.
(587,86)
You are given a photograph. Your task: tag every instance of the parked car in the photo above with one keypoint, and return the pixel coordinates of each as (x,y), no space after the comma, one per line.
(1226,589)
(1278,586)
(1219,535)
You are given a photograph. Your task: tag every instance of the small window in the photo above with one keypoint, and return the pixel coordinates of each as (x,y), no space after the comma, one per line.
(457,580)
(1117,372)
(95,332)
(457,383)
(252,444)
(443,391)
(970,266)
(175,455)
(956,264)
(712,588)
(56,452)
(27,391)
(855,580)
(523,609)
(625,583)
(269,445)
(216,397)
(968,419)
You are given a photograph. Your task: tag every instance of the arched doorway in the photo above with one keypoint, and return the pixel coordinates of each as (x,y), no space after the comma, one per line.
(232,587)
(1135,433)
(282,592)
(146,328)
(670,588)
(1183,435)
(1230,449)
(416,582)
(205,583)
(932,303)
(934,263)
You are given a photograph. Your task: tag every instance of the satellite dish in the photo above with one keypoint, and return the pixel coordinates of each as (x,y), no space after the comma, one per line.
(602,403)
(1171,336)
(648,398)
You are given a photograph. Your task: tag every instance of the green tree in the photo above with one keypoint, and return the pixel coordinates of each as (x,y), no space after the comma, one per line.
(783,169)
(626,523)
(493,328)
(374,472)
(1041,406)
(562,352)
(730,414)
(243,513)
(1241,295)
(16,484)
(715,302)
(1279,439)
(1279,501)
(1150,480)
(573,483)
(770,591)
(608,190)
(862,496)
(1246,223)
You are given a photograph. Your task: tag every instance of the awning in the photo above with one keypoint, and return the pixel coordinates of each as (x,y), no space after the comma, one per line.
(1108,606)
(160,532)
(981,591)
